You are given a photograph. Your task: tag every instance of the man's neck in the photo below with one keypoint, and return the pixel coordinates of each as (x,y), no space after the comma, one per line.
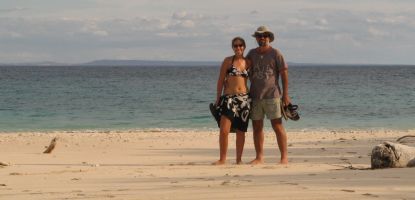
(263,49)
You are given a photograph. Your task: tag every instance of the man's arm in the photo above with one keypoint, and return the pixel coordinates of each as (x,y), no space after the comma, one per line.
(283,71)
(284,79)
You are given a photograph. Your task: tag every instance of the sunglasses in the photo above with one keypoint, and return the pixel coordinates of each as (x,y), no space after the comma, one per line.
(263,35)
(238,45)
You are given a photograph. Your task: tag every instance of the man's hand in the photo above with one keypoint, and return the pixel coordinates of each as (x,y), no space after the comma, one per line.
(286,100)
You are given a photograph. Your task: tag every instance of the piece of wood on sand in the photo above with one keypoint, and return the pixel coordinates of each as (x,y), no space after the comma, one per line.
(391,155)
(51,146)
(407,139)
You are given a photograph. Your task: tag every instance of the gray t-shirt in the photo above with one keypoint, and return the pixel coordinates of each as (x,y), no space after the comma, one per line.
(264,73)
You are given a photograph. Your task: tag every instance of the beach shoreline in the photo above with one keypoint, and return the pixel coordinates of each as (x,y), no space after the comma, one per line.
(163,164)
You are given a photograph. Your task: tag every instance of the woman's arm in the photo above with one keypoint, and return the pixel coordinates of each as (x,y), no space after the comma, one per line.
(221,80)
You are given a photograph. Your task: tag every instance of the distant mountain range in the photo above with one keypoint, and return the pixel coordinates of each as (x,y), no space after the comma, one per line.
(148,63)
(118,63)
(151,63)
(45,63)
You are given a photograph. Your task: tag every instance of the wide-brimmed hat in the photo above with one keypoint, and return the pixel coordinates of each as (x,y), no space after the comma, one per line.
(264,29)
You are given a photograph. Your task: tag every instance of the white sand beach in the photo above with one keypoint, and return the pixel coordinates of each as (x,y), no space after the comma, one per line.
(176,165)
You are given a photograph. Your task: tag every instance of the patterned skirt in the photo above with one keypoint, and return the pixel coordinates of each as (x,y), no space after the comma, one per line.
(236,108)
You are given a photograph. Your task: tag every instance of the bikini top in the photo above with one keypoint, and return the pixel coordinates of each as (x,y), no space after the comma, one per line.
(233,71)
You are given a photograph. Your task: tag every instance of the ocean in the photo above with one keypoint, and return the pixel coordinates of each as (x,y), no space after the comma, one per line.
(77,98)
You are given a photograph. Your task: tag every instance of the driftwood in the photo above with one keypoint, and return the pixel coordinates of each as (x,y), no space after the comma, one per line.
(401,139)
(391,155)
(51,146)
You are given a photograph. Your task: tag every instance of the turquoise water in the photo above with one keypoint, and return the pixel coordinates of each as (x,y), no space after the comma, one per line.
(112,98)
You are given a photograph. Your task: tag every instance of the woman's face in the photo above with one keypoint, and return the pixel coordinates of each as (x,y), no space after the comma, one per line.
(238,47)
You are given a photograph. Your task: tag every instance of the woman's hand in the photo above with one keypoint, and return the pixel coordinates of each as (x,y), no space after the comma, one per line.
(217,101)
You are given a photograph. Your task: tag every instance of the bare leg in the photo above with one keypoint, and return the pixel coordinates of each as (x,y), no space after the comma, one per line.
(225,126)
(281,139)
(258,126)
(240,142)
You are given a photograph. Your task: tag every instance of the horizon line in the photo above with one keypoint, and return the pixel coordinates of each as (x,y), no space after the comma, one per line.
(90,63)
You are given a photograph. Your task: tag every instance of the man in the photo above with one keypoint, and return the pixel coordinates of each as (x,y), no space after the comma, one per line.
(267,64)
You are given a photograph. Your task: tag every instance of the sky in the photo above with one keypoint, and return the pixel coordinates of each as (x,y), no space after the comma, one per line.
(307,31)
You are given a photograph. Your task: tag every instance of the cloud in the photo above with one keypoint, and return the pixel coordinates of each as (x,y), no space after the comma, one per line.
(93,28)
(182,24)
(186,30)
(65,36)
(184,15)
(184,21)
(322,22)
(297,22)
(254,12)
(374,32)
(9,10)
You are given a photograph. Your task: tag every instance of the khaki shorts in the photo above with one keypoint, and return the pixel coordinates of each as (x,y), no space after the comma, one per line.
(269,107)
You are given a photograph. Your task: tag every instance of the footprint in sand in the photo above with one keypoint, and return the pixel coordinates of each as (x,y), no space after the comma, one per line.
(246,180)
(226,182)
(351,152)
(291,183)
(15,174)
(230,182)
(269,167)
(344,190)
(370,195)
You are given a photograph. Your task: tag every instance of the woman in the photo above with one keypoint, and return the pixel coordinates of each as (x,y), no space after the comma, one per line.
(232,101)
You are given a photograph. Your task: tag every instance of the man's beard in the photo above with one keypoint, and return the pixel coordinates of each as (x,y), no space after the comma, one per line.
(262,43)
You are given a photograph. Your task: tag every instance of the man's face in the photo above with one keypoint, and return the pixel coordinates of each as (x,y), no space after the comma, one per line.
(262,39)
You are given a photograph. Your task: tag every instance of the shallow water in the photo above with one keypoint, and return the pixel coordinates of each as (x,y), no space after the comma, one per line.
(101,98)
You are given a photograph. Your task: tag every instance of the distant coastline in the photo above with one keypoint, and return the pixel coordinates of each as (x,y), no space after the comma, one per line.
(104,63)
(155,63)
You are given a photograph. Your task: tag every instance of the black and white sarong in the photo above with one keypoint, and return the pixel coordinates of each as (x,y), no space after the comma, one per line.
(236,108)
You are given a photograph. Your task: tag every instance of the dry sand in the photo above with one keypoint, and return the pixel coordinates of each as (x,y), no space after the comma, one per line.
(176,165)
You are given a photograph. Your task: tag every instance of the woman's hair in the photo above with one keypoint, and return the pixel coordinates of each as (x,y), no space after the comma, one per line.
(240,39)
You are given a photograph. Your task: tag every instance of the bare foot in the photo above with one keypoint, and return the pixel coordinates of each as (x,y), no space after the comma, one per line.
(256,162)
(239,162)
(219,162)
(284,161)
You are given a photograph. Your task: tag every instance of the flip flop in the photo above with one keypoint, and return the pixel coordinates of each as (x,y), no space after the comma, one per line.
(283,111)
(289,112)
